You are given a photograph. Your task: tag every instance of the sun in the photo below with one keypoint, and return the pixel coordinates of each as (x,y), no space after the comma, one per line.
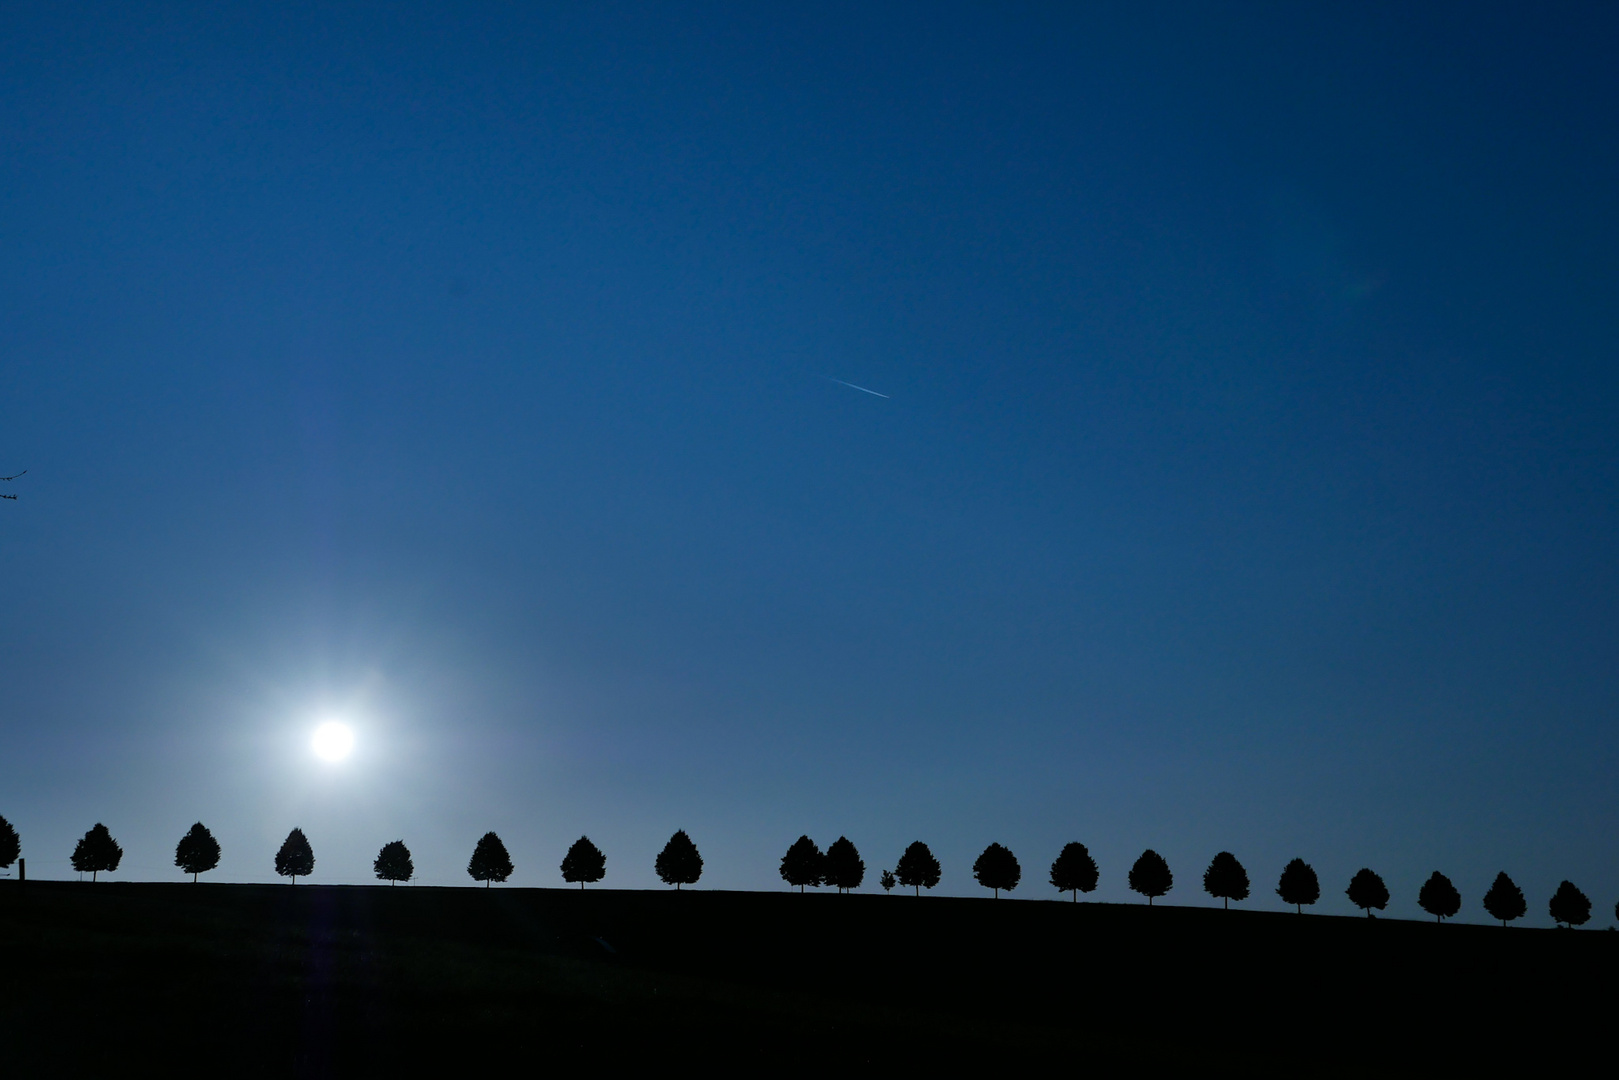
(333,741)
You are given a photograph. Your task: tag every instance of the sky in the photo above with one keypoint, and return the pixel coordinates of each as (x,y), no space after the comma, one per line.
(1243,476)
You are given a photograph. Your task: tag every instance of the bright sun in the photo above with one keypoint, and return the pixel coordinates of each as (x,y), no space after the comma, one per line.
(333,741)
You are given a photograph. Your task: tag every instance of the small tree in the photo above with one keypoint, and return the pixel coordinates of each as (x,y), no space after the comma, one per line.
(679,863)
(1298,885)
(295,859)
(10,845)
(1438,897)
(1569,906)
(489,860)
(1367,891)
(803,864)
(393,863)
(888,881)
(583,863)
(197,852)
(1074,871)
(845,869)
(97,851)
(1505,900)
(917,868)
(1225,879)
(997,868)
(1150,876)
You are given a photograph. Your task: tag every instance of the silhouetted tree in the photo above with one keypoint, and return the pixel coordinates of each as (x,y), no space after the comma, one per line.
(1438,897)
(997,868)
(1367,891)
(393,863)
(1074,871)
(1505,900)
(1225,879)
(97,851)
(1150,876)
(584,862)
(888,881)
(1569,906)
(10,845)
(803,864)
(679,862)
(295,859)
(845,869)
(1298,885)
(197,852)
(489,860)
(917,868)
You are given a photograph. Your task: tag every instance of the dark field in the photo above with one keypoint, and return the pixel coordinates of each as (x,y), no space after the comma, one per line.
(339,980)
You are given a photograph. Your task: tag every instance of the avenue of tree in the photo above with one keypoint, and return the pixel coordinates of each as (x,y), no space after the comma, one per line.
(805,866)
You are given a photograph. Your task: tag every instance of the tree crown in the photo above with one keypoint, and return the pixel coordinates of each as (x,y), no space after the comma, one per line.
(1298,884)
(393,862)
(1438,897)
(1225,879)
(584,862)
(296,858)
(1366,891)
(844,867)
(679,863)
(97,851)
(997,868)
(198,851)
(10,845)
(1074,870)
(1150,875)
(803,864)
(1504,900)
(1569,905)
(917,868)
(489,860)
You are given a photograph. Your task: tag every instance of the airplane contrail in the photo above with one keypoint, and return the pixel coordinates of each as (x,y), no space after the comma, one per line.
(862,389)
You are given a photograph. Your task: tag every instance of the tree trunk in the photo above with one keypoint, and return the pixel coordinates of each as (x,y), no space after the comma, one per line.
(1226,900)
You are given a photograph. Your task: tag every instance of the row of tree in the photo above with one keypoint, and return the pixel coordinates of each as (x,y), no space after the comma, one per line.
(805,865)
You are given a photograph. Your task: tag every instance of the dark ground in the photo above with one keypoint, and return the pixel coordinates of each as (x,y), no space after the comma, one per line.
(343,980)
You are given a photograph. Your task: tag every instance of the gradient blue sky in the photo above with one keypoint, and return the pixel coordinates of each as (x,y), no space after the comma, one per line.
(1247,479)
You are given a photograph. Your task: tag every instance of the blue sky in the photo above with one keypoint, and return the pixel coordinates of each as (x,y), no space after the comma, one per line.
(1246,478)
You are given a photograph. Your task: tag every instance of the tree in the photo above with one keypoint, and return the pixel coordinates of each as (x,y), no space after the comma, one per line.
(1298,885)
(888,881)
(997,868)
(1505,900)
(295,859)
(97,851)
(489,860)
(679,862)
(1225,879)
(1074,871)
(1438,897)
(917,868)
(10,845)
(197,852)
(1150,876)
(803,864)
(584,862)
(1367,891)
(394,863)
(845,869)
(1569,906)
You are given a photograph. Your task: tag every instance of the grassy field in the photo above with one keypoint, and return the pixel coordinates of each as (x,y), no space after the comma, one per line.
(333,980)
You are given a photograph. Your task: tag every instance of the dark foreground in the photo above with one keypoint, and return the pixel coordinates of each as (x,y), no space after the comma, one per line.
(332,980)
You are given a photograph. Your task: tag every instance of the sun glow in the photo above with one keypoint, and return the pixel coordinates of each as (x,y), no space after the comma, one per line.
(333,741)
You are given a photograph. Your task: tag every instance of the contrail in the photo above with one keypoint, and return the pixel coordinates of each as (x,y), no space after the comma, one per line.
(852,386)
